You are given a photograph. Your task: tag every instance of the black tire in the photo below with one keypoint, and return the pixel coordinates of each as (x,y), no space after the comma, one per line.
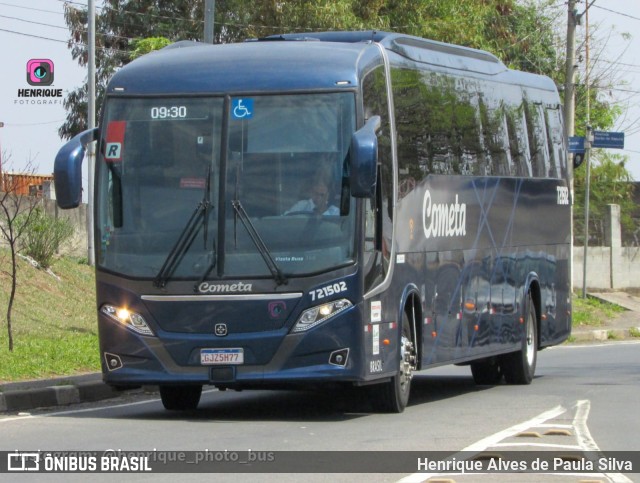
(519,367)
(486,372)
(180,398)
(393,396)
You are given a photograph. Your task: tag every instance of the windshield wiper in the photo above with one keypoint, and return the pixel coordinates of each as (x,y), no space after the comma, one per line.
(278,276)
(200,217)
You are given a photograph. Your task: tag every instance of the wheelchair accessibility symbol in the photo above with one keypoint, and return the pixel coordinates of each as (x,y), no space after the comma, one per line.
(242,108)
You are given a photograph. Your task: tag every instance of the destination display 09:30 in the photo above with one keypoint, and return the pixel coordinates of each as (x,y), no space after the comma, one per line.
(169,112)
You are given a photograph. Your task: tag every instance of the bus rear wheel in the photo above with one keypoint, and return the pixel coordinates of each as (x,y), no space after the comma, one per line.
(393,396)
(519,367)
(180,398)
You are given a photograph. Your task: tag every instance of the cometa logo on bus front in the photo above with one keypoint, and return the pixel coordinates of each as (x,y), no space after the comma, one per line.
(206,287)
(443,219)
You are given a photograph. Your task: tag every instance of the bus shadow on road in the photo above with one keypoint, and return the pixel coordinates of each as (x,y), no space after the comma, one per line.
(431,388)
(338,403)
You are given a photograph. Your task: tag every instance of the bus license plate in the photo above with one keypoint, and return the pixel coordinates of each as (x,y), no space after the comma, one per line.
(212,357)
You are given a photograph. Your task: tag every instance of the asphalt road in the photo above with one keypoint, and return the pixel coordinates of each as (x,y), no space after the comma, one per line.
(584,397)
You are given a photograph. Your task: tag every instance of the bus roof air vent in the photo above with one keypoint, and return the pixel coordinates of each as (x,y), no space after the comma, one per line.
(289,37)
(405,42)
(446,55)
(332,36)
(184,43)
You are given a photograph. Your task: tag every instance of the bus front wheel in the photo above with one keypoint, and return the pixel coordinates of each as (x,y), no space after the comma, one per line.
(393,396)
(519,367)
(180,398)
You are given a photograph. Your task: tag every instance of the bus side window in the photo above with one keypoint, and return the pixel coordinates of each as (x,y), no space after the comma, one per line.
(412,142)
(507,165)
(468,145)
(537,133)
(495,137)
(518,141)
(438,128)
(558,161)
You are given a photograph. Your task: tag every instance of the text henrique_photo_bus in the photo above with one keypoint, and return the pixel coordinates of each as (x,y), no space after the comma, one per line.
(337,209)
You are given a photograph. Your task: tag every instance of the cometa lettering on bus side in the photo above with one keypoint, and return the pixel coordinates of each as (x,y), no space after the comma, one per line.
(443,219)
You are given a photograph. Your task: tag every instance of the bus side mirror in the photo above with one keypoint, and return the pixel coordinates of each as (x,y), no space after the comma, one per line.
(578,158)
(67,169)
(364,159)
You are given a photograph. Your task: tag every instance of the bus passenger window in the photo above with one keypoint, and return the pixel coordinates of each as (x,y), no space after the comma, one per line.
(537,139)
(518,141)
(558,162)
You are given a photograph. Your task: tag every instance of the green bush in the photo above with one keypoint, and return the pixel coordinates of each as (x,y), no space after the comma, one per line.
(43,236)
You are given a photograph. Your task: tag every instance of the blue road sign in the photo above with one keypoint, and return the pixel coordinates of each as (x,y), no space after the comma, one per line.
(604,139)
(576,144)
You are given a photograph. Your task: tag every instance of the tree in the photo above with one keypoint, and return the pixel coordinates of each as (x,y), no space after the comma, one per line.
(610,184)
(16,212)
(610,180)
(144,46)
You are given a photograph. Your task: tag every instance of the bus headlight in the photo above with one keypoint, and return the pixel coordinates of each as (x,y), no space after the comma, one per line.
(319,314)
(129,319)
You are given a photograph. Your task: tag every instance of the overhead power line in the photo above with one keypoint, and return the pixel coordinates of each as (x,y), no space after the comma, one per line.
(617,13)
(33,36)
(60,41)
(30,8)
(63,28)
(29,124)
(34,22)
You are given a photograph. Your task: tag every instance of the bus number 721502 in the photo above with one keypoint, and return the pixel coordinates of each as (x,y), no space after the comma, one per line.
(328,290)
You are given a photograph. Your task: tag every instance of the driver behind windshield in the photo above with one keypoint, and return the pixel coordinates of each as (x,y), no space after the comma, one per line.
(318,203)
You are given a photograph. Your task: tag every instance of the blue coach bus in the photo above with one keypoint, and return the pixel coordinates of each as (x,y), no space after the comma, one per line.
(338,207)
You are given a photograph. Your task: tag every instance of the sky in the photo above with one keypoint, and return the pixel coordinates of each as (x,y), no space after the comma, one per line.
(35,29)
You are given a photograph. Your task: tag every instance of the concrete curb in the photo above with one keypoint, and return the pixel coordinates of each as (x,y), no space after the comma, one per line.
(605,335)
(20,397)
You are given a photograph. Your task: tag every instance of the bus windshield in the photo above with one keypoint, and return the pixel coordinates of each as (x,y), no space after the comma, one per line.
(172,173)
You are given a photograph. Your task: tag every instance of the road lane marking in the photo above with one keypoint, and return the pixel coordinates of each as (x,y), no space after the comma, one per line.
(583,434)
(491,440)
(585,442)
(574,447)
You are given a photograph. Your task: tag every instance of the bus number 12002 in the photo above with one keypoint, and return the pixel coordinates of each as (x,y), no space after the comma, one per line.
(327,291)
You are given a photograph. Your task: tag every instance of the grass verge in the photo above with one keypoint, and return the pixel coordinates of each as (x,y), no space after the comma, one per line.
(54,321)
(591,312)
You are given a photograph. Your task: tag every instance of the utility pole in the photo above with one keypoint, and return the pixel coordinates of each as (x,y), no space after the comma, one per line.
(91,123)
(587,160)
(573,19)
(209,16)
